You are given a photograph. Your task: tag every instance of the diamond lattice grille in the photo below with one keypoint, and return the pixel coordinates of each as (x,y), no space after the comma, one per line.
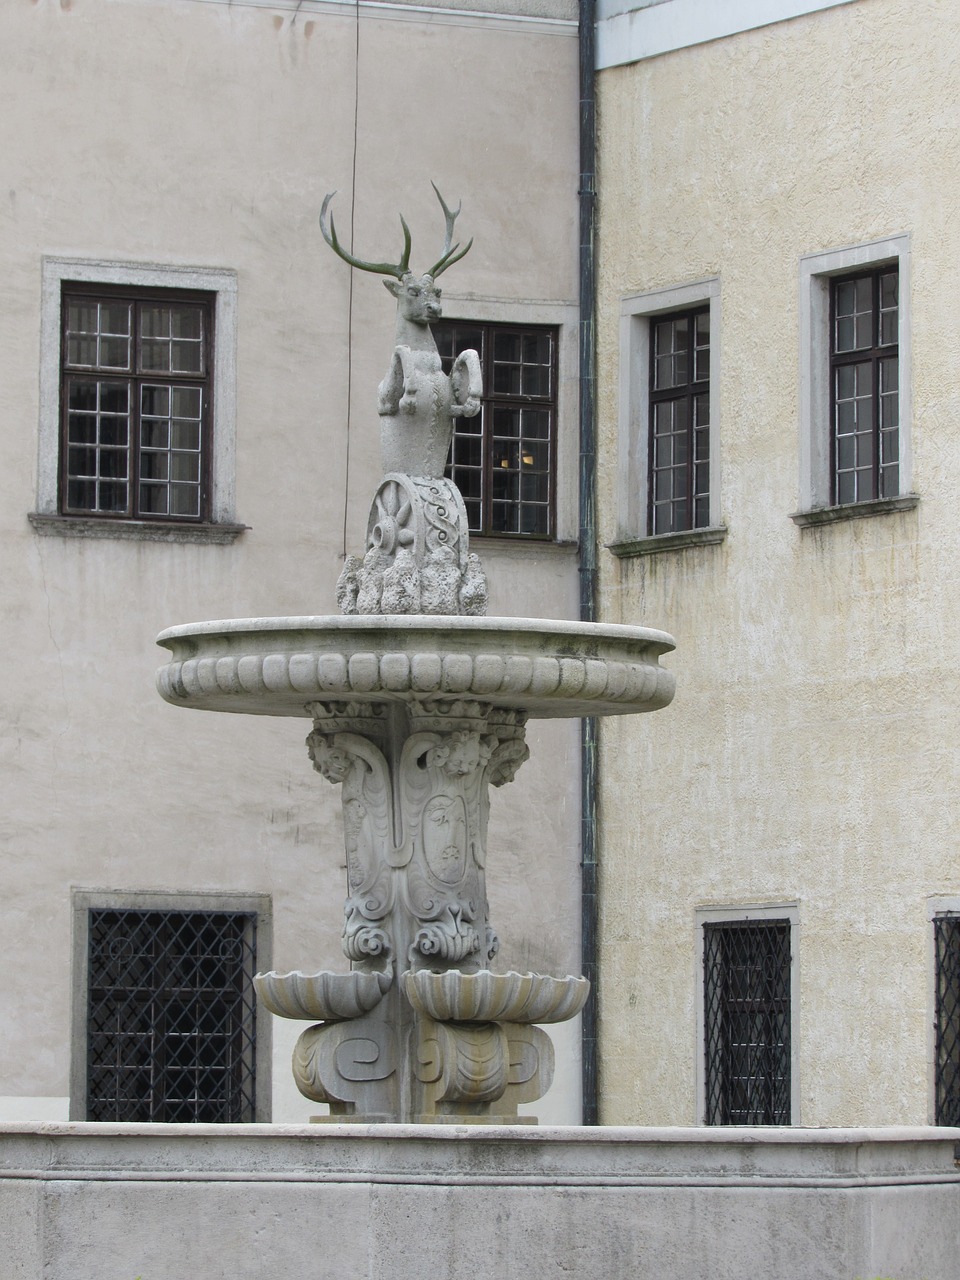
(171,1020)
(747,1022)
(946,932)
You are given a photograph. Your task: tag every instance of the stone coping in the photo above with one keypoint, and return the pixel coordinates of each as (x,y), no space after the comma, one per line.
(482,1155)
(540,667)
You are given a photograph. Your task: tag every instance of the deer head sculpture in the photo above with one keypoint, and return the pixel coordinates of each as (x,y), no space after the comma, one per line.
(418,298)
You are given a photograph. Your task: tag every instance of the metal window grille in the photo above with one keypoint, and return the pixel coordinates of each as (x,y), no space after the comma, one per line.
(171,1016)
(865,385)
(946,933)
(747,1022)
(679,436)
(503,461)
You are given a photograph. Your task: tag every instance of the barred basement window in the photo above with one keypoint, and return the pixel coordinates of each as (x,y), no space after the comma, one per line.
(171,1016)
(135,403)
(504,460)
(865,386)
(946,933)
(679,436)
(747,1022)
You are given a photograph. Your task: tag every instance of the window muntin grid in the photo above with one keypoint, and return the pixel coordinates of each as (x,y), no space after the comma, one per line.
(864,386)
(504,460)
(679,460)
(171,1016)
(946,934)
(747,1022)
(114,461)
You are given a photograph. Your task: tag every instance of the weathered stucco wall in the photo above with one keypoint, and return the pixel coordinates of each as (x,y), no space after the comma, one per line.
(207,134)
(810,755)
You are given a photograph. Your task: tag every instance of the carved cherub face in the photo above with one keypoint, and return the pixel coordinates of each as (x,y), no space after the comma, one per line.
(418,298)
(333,763)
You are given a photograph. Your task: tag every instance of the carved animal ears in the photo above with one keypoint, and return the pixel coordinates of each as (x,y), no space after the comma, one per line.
(392,286)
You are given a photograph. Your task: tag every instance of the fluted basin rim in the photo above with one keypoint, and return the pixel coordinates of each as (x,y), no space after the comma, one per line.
(452,996)
(330,997)
(539,667)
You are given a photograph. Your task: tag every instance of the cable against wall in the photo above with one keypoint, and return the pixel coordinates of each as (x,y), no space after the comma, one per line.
(353,206)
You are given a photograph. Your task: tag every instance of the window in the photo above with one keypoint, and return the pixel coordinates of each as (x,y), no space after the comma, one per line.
(855,457)
(746,1021)
(135,403)
(669,475)
(168,1013)
(864,386)
(946,931)
(679,463)
(504,460)
(137,422)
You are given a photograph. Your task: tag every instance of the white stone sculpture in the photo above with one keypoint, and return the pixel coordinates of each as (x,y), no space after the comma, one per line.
(417,558)
(419,707)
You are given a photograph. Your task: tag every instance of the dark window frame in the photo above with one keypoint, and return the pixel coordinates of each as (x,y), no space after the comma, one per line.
(161,1015)
(946,934)
(487,502)
(747,1042)
(134,378)
(883,479)
(689,394)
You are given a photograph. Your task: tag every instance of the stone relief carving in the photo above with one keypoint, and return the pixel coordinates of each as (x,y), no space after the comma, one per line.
(361,771)
(417,558)
(443,781)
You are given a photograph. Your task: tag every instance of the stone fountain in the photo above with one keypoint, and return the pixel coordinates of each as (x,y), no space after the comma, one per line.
(418,703)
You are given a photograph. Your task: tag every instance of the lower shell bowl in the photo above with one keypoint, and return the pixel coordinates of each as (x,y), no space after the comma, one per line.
(494,997)
(326,997)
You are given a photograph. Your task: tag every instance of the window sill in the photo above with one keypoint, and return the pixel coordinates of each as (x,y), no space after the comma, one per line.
(483,542)
(854,510)
(49,526)
(669,542)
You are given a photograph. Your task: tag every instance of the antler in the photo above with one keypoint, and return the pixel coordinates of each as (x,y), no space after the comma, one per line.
(450,254)
(381,268)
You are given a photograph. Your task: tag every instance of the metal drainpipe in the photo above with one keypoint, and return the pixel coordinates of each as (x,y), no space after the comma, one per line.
(588,550)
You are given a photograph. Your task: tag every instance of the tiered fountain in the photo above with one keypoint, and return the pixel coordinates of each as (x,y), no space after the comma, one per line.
(418,703)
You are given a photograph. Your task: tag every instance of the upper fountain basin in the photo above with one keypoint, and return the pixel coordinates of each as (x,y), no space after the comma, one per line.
(543,667)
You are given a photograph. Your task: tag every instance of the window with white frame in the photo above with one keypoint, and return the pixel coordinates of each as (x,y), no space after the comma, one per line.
(137,401)
(746,1073)
(855,381)
(668,442)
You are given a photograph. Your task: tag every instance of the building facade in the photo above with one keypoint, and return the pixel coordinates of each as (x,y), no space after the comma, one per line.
(189,431)
(778,271)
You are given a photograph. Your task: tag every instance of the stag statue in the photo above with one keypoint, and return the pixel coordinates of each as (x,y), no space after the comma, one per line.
(417,401)
(417,558)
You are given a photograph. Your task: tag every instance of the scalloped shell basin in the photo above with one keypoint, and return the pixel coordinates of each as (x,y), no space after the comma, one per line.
(546,668)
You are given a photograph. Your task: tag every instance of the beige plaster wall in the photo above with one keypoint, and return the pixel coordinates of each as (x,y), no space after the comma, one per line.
(810,757)
(205,134)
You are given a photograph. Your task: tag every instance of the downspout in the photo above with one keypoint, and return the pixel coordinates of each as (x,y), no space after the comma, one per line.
(588,551)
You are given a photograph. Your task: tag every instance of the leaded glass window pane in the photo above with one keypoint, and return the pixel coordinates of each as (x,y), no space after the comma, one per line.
(865,394)
(679,459)
(504,460)
(150,429)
